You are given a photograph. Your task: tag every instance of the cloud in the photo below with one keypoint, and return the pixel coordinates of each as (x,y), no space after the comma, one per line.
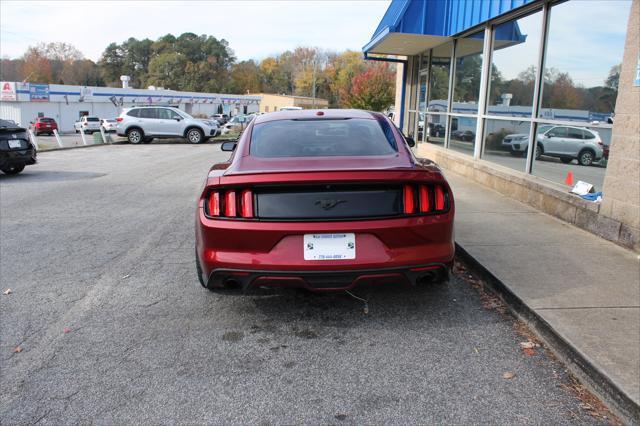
(254,29)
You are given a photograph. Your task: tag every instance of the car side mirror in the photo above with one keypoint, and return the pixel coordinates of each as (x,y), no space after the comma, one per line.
(177,118)
(229,146)
(410,141)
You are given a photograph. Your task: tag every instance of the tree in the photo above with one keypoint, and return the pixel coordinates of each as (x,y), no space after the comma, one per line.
(245,78)
(613,79)
(37,67)
(340,71)
(374,89)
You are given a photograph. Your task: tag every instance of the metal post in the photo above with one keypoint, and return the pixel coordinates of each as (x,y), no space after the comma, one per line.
(34,139)
(484,83)
(537,90)
(452,79)
(84,140)
(55,133)
(104,135)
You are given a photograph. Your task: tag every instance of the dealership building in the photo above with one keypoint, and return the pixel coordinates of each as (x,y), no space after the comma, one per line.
(23,102)
(473,76)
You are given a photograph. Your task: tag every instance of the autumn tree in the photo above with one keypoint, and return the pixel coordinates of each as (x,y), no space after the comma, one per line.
(373,89)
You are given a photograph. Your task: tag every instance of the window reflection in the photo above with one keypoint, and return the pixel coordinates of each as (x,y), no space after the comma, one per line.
(436,126)
(506,143)
(582,68)
(439,84)
(462,135)
(468,68)
(513,71)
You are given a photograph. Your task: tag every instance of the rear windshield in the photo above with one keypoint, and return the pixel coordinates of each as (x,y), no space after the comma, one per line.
(46,120)
(321,138)
(93,119)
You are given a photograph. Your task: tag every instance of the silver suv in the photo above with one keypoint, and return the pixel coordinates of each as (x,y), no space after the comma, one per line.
(564,142)
(143,124)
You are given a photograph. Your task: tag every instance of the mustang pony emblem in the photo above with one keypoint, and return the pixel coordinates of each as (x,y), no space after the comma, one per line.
(329,204)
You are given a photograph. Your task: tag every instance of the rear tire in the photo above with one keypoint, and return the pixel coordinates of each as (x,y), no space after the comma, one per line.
(585,158)
(135,136)
(539,151)
(195,136)
(13,170)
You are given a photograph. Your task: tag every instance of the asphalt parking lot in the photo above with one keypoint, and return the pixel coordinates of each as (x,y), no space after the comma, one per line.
(113,327)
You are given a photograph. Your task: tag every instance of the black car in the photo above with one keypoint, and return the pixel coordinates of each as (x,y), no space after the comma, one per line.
(16,150)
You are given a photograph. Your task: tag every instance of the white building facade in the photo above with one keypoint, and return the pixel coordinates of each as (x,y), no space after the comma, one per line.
(24,102)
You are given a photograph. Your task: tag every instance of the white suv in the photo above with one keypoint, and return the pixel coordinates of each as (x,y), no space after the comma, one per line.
(143,124)
(564,142)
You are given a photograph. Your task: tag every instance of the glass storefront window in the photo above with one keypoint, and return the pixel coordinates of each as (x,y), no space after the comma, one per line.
(462,135)
(582,68)
(583,150)
(468,69)
(438,93)
(513,71)
(506,143)
(435,130)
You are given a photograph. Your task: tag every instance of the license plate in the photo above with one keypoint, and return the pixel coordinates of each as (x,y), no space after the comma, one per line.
(329,246)
(15,143)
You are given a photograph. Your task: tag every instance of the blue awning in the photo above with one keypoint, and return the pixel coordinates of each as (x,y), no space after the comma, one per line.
(411,26)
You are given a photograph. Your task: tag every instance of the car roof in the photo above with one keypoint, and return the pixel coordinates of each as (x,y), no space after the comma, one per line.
(310,114)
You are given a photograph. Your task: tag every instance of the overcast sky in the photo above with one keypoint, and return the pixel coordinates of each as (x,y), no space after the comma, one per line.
(254,29)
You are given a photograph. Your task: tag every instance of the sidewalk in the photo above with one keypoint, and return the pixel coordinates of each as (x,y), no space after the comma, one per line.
(586,289)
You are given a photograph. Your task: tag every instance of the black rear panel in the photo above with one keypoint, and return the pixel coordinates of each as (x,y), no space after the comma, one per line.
(328,202)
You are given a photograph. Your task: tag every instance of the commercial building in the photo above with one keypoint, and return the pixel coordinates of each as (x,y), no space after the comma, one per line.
(23,102)
(271,102)
(473,76)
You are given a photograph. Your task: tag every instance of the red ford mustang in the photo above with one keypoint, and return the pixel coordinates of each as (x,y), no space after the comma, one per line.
(324,200)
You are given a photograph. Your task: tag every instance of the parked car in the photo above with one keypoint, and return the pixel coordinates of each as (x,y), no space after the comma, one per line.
(108,124)
(44,125)
(16,149)
(87,124)
(564,142)
(436,130)
(463,135)
(324,200)
(143,124)
(220,118)
(236,124)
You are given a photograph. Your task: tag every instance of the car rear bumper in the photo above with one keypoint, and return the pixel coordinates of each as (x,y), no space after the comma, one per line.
(251,281)
(270,254)
(17,157)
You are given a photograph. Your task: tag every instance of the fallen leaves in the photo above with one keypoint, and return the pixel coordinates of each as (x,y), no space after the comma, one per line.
(66,330)
(529,347)
(7,292)
(17,349)
(508,375)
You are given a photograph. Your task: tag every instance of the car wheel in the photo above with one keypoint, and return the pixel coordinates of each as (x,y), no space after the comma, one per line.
(566,160)
(539,151)
(585,158)
(13,170)
(134,136)
(195,136)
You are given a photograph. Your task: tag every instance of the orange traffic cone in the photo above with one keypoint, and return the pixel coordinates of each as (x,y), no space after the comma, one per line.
(569,179)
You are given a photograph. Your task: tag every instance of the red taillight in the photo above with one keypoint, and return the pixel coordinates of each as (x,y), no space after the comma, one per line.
(214,204)
(246,203)
(440,201)
(409,202)
(119,119)
(425,202)
(230,204)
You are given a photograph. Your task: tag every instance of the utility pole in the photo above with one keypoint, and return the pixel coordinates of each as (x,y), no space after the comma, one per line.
(314,81)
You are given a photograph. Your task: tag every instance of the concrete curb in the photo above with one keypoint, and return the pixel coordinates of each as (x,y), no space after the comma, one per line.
(72,147)
(577,362)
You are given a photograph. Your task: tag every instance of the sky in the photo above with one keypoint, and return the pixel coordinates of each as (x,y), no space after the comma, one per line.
(254,29)
(586,38)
